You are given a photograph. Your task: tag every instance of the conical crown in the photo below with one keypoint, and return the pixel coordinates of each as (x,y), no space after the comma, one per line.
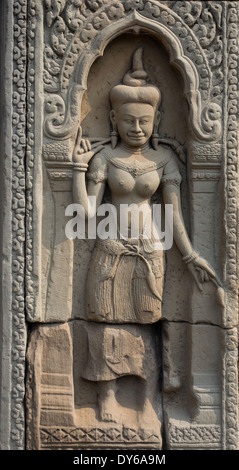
(134,87)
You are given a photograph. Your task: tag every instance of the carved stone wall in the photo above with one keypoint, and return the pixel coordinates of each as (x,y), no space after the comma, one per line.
(61,59)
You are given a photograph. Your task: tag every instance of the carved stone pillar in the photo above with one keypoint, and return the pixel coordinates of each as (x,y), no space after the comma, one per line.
(59,289)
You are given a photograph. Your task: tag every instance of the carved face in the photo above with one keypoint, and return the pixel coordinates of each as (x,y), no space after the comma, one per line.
(135,122)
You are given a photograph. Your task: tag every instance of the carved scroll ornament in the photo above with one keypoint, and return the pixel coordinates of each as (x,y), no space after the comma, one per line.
(79,32)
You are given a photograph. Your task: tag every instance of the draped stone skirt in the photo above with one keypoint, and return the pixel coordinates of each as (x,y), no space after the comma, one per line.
(123,298)
(114,351)
(125,282)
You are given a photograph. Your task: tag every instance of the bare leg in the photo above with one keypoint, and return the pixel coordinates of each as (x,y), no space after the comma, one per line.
(107,401)
(148,395)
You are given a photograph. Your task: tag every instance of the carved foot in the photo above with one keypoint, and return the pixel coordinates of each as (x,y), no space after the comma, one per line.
(107,402)
(147,415)
(149,423)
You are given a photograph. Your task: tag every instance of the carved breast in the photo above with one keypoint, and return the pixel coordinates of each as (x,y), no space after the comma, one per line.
(122,182)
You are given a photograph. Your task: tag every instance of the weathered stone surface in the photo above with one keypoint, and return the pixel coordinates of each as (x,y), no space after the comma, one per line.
(113,343)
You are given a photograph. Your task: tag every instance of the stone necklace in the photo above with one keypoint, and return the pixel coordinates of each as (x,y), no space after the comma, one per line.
(135,168)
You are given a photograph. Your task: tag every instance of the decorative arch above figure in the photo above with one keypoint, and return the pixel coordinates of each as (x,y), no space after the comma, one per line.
(80,31)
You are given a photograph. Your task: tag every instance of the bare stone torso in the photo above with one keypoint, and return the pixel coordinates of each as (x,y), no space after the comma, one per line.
(133,177)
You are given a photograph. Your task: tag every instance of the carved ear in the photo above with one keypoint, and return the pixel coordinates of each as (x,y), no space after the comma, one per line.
(112,117)
(157,119)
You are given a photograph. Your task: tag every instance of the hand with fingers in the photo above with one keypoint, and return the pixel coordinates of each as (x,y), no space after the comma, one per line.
(83,151)
(203,272)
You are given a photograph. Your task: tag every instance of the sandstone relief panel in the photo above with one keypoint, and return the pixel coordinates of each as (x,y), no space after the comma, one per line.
(131,214)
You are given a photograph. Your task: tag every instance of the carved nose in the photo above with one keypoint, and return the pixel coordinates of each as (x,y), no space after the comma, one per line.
(136,128)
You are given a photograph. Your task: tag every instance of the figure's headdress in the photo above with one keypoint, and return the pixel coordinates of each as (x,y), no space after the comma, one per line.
(134,87)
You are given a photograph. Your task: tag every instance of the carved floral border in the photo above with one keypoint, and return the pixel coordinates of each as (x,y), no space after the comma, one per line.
(17,392)
(230,424)
(73,26)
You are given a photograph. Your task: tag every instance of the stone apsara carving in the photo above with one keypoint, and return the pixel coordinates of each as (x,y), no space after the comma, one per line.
(211,16)
(125,279)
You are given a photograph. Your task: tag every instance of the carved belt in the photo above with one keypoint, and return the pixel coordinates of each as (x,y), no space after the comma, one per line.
(114,247)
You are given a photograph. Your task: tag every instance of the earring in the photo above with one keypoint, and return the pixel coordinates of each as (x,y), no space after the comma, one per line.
(155,135)
(114,136)
(155,138)
(154,141)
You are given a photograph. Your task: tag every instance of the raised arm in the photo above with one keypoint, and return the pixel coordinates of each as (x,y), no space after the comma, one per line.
(84,157)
